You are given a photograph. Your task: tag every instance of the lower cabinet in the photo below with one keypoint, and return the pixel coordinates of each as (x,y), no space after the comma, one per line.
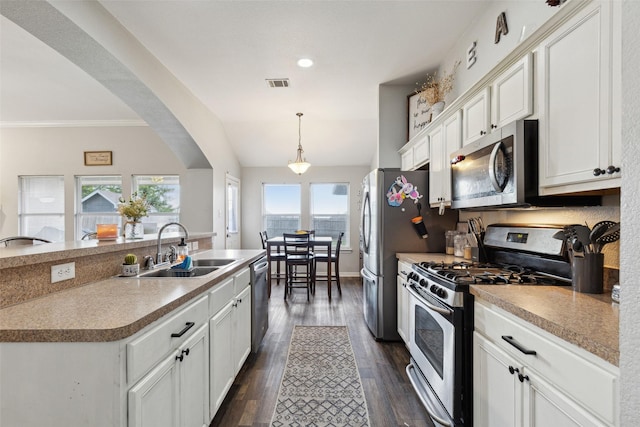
(229,335)
(176,391)
(524,378)
(403,301)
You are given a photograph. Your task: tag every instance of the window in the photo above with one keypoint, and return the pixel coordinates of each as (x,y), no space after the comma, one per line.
(281,208)
(329,210)
(41,207)
(97,199)
(163,194)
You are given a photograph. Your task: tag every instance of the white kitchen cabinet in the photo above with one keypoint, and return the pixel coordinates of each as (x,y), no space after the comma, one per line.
(476,116)
(230,334)
(559,384)
(447,138)
(175,392)
(415,153)
(578,89)
(508,98)
(403,301)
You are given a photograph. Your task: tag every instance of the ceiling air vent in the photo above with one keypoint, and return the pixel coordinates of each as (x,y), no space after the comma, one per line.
(278,82)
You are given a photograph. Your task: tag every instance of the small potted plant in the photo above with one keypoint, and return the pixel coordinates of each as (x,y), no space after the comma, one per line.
(133,210)
(130,267)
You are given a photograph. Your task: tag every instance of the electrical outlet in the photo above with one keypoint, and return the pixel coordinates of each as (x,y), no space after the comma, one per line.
(63,272)
(194,246)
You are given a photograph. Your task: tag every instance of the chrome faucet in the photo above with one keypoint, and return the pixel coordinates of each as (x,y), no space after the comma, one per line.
(159,259)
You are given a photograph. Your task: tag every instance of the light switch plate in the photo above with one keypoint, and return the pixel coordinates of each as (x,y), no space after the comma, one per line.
(62,272)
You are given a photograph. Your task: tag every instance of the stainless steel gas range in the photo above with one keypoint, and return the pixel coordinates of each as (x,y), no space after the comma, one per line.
(441,311)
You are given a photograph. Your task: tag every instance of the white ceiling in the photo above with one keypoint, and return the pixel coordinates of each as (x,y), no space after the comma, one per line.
(224,50)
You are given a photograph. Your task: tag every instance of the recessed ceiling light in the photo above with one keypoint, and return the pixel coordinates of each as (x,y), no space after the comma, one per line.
(305,62)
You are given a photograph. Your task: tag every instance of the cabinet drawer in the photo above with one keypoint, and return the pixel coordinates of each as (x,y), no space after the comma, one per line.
(591,382)
(241,280)
(144,352)
(220,296)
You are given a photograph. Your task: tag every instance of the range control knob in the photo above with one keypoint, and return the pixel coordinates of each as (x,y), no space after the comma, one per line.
(423,282)
(410,276)
(442,293)
(433,289)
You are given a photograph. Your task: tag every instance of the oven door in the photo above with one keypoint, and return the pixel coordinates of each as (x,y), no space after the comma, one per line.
(432,347)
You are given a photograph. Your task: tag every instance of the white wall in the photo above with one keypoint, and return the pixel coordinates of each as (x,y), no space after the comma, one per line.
(393,122)
(251,188)
(630,203)
(60,151)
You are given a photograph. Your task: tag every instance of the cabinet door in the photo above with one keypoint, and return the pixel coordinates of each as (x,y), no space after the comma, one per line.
(153,402)
(222,366)
(402,295)
(421,152)
(452,133)
(574,76)
(497,392)
(544,405)
(242,328)
(511,94)
(475,117)
(193,379)
(435,166)
(406,160)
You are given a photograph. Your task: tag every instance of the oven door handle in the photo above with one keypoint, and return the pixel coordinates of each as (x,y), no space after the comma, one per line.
(420,392)
(430,306)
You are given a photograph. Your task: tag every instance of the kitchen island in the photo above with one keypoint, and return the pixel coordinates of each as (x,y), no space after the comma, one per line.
(128,351)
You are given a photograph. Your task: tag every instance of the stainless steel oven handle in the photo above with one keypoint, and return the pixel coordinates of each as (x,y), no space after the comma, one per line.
(427,405)
(430,306)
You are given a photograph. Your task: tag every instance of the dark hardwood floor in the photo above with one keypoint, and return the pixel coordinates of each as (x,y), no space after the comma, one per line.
(390,398)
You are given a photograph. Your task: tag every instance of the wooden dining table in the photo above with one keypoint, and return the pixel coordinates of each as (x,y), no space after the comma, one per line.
(315,241)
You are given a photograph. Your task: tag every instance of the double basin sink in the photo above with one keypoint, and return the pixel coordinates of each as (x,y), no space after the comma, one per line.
(201,267)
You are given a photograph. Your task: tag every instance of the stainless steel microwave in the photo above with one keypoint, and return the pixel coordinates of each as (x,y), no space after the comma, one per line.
(501,170)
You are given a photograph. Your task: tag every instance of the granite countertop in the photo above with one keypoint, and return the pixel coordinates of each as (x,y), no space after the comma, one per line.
(111,309)
(586,320)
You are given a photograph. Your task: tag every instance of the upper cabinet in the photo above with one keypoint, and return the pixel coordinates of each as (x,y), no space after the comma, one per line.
(508,98)
(415,153)
(445,139)
(578,77)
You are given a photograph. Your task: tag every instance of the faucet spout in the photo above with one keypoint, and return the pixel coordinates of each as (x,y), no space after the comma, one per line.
(159,243)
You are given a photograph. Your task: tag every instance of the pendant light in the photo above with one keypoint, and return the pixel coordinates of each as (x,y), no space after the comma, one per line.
(301,165)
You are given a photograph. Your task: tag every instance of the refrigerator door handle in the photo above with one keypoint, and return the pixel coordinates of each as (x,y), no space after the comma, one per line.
(366,221)
(366,275)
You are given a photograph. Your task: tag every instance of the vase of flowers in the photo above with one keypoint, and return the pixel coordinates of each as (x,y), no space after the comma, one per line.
(434,89)
(133,210)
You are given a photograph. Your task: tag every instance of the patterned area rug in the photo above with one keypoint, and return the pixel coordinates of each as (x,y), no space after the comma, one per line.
(321,385)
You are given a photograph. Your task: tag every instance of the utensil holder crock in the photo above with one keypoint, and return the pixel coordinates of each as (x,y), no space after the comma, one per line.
(587,273)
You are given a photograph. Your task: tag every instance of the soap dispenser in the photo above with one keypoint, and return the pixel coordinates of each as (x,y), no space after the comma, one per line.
(183,250)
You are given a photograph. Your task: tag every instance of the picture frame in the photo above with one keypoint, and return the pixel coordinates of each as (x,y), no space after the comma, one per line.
(419,114)
(98,158)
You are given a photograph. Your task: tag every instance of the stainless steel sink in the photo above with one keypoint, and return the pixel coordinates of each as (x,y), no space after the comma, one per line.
(167,272)
(212,262)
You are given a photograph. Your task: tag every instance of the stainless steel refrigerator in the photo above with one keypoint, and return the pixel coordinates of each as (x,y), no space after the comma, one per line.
(388,206)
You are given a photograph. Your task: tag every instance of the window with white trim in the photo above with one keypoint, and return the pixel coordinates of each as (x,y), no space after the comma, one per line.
(281,208)
(329,210)
(97,199)
(163,194)
(41,207)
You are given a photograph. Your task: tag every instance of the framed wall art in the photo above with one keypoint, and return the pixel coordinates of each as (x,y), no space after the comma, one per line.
(98,158)
(419,114)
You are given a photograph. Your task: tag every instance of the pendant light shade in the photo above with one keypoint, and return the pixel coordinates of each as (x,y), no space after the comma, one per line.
(300,165)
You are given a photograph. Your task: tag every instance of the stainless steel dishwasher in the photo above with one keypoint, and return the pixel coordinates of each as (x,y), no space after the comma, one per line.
(259,302)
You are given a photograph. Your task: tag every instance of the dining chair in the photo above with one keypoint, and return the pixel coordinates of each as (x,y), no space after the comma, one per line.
(22,241)
(299,263)
(273,255)
(323,257)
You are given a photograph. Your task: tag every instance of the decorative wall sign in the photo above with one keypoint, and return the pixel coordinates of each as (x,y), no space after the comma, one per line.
(501,27)
(419,114)
(97,158)
(555,2)
(471,55)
